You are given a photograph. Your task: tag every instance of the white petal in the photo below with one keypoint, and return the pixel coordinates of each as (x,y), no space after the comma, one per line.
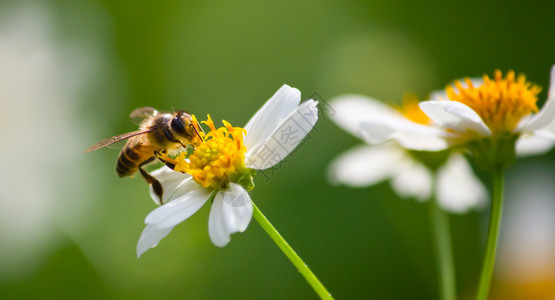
(546,115)
(458,189)
(271,114)
(413,179)
(150,237)
(231,212)
(528,144)
(365,165)
(217,229)
(547,132)
(350,110)
(409,134)
(454,115)
(237,208)
(174,184)
(179,209)
(285,138)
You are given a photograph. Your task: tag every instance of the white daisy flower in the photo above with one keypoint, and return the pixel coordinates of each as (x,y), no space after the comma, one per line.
(457,188)
(43,83)
(222,167)
(484,107)
(494,118)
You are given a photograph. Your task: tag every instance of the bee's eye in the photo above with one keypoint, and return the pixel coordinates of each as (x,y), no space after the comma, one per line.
(177,124)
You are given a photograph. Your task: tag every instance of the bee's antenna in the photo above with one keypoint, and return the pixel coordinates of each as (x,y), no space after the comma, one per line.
(198,134)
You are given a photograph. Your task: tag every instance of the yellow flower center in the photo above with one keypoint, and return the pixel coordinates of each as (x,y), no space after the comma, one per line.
(500,102)
(218,159)
(411,110)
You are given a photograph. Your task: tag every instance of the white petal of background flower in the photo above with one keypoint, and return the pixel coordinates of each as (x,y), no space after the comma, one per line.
(458,189)
(271,114)
(285,137)
(150,237)
(231,212)
(454,115)
(174,184)
(547,132)
(413,179)
(546,115)
(532,144)
(409,134)
(365,165)
(179,209)
(350,110)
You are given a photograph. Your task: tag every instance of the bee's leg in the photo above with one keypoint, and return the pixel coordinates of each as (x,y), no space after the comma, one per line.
(156,186)
(168,161)
(183,145)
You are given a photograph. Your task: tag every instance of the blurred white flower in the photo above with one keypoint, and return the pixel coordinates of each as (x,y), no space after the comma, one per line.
(40,82)
(472,109)
(221,168)
(527,240)
(486,107)
(458,189)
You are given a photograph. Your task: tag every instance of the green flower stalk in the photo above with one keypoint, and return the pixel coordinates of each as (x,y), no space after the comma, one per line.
(493,235)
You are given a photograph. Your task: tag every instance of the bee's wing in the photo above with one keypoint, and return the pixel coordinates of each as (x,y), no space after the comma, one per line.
(115,139)
(143,112)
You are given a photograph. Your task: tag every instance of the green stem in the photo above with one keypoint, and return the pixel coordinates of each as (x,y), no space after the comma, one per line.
(446,267)
(493,232)
(291,254)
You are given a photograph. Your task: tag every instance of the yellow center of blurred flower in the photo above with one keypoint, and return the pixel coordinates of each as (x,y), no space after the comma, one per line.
(411,110)
(218,159)
(500,102)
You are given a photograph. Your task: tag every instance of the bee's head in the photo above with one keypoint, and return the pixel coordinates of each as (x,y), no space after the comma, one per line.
(182,124)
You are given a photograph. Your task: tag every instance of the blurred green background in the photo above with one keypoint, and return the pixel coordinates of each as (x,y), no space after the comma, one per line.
(71,71)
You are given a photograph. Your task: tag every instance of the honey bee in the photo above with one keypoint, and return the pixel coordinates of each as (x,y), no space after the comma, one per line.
(159,133)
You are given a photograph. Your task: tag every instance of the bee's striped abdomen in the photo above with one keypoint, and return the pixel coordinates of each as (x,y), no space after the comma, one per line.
(129,159)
